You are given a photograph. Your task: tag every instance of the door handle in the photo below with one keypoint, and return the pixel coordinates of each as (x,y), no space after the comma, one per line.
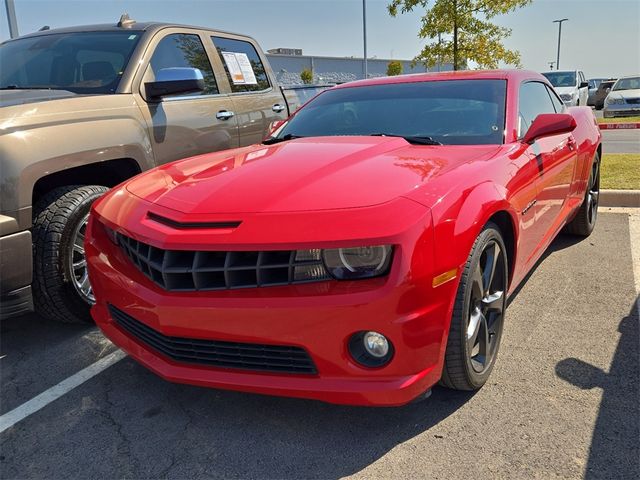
(278,108)
(571,143)
(224,115)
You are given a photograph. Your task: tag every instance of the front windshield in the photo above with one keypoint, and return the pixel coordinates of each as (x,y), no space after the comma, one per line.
(631,83)
(80,62)
(453,112)
(561,79)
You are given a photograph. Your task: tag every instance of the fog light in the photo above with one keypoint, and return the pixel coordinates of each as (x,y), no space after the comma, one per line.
(370,349)
(376,344)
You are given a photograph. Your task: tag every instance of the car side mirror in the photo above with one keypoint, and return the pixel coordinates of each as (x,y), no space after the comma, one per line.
(584,84)
(547,124)
(173,81)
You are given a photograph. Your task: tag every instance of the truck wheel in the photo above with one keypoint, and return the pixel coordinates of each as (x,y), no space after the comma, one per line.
(61,289)
(478,314)
(585,220)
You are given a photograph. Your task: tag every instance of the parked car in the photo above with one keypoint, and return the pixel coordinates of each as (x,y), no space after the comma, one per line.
(603,90)
(83,109)
(355,258)
(624,98)
(593,88)
(571,85)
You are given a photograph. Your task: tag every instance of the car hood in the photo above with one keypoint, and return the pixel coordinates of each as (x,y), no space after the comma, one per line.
(9,98)
(309,174)
(566,90)
(635,93)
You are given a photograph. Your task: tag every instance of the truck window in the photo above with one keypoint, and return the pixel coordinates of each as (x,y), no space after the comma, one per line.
(184,50)
(245,70)
(80,62)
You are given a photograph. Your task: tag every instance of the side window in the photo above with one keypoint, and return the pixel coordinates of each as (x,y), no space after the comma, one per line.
(243,65)
(184,50)
(557,103)
(533,100)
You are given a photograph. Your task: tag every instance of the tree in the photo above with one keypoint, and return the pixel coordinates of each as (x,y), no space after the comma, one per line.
(306,76)
(460,30)
(394,68)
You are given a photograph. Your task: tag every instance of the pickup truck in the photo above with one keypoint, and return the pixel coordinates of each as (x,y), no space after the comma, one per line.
(84,108)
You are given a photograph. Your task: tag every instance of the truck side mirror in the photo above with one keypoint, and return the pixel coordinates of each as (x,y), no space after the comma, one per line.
(174,81)
(584,84)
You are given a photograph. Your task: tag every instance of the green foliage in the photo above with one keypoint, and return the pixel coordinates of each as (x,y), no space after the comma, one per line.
(306,76)
(394,68)
(465,31)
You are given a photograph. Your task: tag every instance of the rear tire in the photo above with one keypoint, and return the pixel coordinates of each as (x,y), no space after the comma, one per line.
(585,220)
(478,314)
(58,226)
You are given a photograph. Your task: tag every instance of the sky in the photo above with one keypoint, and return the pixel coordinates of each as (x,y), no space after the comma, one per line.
(602,37)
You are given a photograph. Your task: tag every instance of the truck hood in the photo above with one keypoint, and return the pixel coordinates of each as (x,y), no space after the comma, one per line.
(308,174)
(9,98)
(566,90)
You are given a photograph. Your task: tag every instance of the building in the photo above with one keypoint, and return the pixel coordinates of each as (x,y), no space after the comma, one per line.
(335,69)
(285,51)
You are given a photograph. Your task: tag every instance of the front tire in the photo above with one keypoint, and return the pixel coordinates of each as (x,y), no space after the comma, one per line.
(478,314)
(585,220)
(61,288)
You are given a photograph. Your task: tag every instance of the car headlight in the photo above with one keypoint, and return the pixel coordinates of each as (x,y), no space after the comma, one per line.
(358,262)
(614,100)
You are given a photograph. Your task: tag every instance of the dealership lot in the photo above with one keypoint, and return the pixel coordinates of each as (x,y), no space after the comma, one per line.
(562,401)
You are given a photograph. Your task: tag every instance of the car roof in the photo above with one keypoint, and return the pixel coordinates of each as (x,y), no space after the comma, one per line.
(113,27)
(504,74)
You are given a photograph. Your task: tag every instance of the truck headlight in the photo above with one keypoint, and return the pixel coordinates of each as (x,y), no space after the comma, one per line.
(358,262)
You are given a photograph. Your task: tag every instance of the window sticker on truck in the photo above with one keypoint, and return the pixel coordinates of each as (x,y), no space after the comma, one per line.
(240,68)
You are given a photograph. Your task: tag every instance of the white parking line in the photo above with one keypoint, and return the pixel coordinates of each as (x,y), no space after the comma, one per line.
(9,419)
(634,231)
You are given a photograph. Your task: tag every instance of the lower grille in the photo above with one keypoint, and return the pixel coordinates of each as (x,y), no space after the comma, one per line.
(244,356)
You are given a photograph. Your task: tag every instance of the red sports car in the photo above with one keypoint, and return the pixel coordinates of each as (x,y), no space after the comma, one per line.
(362,253)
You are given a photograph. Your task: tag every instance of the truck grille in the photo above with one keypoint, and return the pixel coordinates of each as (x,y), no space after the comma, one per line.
(185,271)
(244,356)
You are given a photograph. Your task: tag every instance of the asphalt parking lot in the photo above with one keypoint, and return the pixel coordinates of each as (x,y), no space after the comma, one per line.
(561,403)
(621,141)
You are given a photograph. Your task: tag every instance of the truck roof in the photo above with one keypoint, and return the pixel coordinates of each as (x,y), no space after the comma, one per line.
(113,27)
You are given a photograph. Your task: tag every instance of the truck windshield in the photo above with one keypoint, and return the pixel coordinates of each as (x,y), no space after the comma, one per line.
(561,79)
(80,62)
(453,112)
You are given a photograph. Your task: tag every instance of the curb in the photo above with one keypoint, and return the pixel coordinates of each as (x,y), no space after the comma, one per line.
(619,198)
(619,126)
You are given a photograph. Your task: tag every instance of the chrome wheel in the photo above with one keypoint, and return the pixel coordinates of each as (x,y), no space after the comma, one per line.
(594,192)
(78,262)
(486,307)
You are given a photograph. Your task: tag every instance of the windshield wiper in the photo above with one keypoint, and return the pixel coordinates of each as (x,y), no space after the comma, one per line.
(415,140)
(284,138)
(18,87)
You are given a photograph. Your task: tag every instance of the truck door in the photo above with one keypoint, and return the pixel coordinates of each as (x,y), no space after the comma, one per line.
(257,100)
(185,125)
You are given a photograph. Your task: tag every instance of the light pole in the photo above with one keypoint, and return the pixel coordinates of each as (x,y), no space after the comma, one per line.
(11,18)
(559,22)
(364,34)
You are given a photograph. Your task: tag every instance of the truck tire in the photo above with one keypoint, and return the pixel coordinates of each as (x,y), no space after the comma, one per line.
(58,253)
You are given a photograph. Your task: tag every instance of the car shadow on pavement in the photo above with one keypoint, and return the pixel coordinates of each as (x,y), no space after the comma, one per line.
(562,241)
(614,451)
(202,432)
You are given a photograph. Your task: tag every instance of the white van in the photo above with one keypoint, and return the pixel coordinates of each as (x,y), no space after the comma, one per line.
(571,85)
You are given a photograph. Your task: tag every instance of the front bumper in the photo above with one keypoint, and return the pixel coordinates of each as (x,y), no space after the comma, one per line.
(318,317)
(16,270)
(621,110)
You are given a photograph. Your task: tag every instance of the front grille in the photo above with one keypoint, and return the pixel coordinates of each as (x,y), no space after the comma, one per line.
(244,356)
(184,270)
(634,101)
